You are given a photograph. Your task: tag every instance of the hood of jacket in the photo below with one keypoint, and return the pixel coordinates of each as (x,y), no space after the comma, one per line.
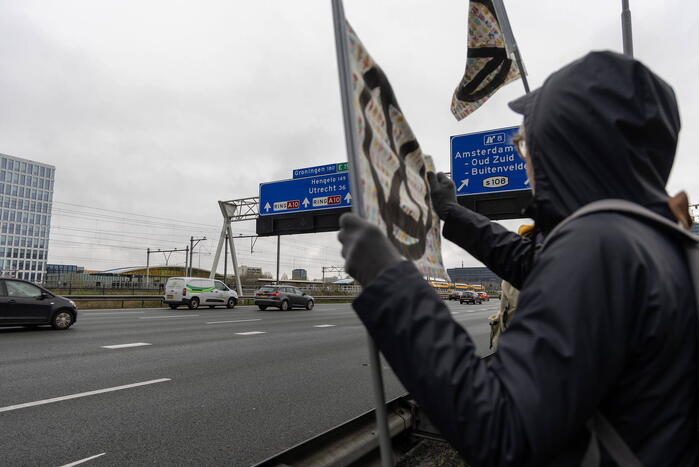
(604,126)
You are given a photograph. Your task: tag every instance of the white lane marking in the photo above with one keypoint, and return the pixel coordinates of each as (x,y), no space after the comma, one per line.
(251,333)
(83,460)
(82,315)
(324,326)
(81,394)
(168,316)
(234,321)
(124,346)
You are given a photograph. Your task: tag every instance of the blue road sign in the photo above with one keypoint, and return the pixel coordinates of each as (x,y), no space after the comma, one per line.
(487,162)
(305,194)
(320,170)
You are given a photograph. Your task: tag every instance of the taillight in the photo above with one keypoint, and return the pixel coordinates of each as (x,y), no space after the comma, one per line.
(274,294)
(184,291)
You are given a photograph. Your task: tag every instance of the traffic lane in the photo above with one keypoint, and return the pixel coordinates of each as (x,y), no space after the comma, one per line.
(43,356)
(202,446)
(110,330)
(228,410)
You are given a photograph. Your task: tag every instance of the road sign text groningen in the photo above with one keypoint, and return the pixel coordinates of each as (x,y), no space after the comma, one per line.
(487,162)
(305,194)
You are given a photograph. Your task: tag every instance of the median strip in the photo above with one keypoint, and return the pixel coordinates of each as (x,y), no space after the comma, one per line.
(82,394)
(125,346)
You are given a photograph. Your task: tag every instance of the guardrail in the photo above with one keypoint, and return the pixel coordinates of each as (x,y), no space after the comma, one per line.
(356,443)
(348,442)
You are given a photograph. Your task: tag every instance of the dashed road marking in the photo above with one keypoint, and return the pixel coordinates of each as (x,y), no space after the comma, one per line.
(83,460)
(125,346)
(81,394)
(250,333)
(234,321)
(324,326)
(168,316)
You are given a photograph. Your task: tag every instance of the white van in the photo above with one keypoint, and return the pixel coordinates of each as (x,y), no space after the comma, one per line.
(195,291)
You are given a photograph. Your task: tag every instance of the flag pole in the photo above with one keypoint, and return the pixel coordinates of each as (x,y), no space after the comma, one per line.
(510,42)
(626,34)
(343,64)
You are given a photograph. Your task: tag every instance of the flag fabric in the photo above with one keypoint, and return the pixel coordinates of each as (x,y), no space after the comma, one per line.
(487,65)
(391,168)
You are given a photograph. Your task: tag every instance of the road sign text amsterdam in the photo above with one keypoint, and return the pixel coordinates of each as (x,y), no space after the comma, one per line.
(487,162)
(305,194)
(320,170)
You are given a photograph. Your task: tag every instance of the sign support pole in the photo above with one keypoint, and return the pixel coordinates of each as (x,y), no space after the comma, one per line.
(343,63)
(234,258)
(278,245)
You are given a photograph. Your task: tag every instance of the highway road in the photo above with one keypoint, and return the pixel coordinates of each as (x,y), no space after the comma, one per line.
(203,387)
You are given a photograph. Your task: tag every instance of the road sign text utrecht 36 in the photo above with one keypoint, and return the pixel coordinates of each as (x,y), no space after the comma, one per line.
(487,162)
(305,194)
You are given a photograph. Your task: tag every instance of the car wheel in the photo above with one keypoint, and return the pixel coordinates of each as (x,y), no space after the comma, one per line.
(231,303)
(194,303)
(284,306)
(461,302)
(309,305)
(62,319)
(262,307)
(173,306)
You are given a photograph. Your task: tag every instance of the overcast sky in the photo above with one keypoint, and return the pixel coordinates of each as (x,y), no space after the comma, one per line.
(152,111)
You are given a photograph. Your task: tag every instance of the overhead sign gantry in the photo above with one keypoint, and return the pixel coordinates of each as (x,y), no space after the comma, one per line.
(312,201)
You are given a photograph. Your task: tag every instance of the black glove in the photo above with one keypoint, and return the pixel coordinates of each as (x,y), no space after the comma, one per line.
(367,251)
(443,193)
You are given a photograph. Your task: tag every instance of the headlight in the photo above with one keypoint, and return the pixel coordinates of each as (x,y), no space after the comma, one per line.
(72,303)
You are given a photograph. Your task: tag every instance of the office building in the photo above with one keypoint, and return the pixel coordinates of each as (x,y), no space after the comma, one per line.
(299,275)
(483,276)
(26,196)
(63,268)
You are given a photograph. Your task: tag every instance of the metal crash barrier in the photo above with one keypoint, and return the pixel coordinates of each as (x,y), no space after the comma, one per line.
(356,441)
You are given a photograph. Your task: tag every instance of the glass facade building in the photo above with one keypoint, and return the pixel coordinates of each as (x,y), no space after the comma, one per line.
(26,196)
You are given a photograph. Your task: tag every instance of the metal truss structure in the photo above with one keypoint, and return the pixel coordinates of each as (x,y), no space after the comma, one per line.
(235,210)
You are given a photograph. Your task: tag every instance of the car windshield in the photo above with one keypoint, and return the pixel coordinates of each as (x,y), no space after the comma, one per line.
(268,289)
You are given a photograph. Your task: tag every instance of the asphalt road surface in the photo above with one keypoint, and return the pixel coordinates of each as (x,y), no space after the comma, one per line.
(203,387)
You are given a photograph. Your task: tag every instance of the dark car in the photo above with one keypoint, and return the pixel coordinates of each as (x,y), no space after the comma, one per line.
(23,303)
(470,297)
(283,297)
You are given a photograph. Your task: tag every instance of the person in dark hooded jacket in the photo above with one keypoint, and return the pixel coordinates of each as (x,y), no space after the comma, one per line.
(607,318)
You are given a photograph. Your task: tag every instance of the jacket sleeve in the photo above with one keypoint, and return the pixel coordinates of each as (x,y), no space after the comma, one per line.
(554,362)
(507,254)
